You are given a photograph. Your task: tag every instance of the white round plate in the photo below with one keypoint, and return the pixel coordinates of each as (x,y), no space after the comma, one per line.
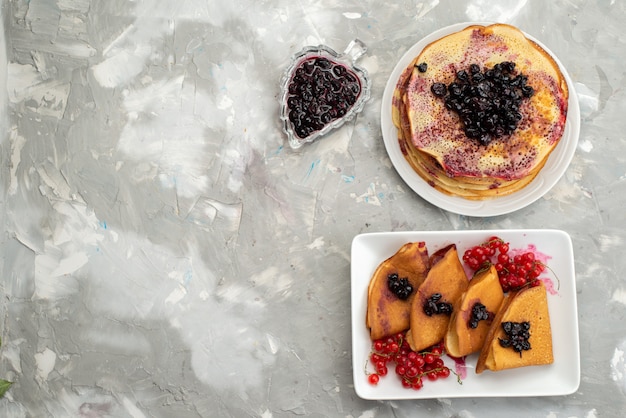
(549,175)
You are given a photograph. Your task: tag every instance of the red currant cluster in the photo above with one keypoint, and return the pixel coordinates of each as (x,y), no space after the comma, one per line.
(411,367)
(513,271)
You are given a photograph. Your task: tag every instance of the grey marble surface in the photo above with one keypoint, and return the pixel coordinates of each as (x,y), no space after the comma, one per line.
(165,254)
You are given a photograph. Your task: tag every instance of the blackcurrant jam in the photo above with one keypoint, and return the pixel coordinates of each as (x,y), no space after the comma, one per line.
(320,92)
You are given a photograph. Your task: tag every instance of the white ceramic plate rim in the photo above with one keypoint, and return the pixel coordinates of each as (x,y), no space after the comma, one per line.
(560,378)
(554,169)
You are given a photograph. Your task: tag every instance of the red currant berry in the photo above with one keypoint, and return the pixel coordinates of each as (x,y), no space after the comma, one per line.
(429,358)
(444,372)
(493,239)
(473,263)
(478,251)
(400,370)
(411,372)
(522,271)
(419,361)
(373,379)
(436,350)
(529,256)
(375,358)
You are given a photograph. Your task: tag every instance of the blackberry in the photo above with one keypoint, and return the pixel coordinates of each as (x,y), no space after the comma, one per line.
(487,101)
(399,286)
(479,313)
(433,306)
(320,92)
(518,334)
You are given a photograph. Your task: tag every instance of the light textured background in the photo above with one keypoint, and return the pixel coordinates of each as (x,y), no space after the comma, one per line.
(165,254)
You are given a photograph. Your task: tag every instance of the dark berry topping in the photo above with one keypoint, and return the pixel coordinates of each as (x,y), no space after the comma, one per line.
(479,313)
(488,101)
(438,89)
(320,91)
(399,286)
(422,67)
(518,334)
(433,305)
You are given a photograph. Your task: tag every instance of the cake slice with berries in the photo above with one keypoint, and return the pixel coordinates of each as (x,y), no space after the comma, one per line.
(392,288)
(436,298)
(520,334)
(470,322)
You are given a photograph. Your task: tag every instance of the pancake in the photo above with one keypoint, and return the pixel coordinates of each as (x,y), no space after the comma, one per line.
(387,314)
(444,284)
(434,139)
(463,336)
(530,306)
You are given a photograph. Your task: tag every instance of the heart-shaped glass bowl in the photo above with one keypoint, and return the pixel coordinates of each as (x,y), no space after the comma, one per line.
(321,90)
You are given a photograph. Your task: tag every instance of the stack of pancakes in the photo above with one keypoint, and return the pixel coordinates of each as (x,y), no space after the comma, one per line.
(432,137)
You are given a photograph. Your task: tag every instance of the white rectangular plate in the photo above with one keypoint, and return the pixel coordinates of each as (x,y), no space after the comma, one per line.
(560,378)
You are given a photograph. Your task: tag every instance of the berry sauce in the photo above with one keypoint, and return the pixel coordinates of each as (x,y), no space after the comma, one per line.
(320,92)
(487,101)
